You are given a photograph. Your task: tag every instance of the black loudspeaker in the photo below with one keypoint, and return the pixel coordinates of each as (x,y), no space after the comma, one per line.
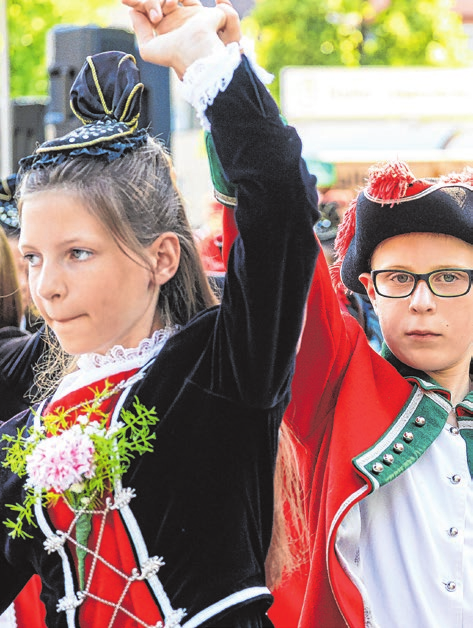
(68,47)
(27,127)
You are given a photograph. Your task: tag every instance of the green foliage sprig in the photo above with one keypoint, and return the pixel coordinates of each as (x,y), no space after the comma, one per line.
(80,462)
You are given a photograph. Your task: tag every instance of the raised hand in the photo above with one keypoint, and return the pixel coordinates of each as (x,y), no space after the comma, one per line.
(176,34)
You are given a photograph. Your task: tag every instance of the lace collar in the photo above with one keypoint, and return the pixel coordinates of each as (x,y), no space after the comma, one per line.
(147,349)
(92,367)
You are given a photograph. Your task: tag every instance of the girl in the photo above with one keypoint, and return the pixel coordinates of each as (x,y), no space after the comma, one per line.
(142,489)
(19,351)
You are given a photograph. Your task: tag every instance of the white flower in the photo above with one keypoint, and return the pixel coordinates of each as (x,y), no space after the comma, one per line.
(61,461)
(94,429)
(77,487)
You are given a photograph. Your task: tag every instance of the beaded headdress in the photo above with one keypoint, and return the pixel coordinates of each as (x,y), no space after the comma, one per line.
(8,209)
(106,98)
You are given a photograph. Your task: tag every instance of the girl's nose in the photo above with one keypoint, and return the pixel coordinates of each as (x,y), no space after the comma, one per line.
(49,283)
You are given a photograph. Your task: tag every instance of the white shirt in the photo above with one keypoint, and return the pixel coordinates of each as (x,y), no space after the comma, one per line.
(415,555)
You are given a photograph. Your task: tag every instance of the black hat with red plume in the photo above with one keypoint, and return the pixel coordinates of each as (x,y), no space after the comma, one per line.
(393,203)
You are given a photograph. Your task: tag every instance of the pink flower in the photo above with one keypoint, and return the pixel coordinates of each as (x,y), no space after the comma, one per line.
(60,461)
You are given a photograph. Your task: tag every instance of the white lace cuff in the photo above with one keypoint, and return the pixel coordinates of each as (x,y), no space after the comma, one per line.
(208,76)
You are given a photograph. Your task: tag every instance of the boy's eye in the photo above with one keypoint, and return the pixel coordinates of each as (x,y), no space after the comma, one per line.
(402,278)
(446,277)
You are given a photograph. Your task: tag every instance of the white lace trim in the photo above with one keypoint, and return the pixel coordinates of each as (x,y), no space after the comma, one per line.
(147,349)
(208,76)
(92,367)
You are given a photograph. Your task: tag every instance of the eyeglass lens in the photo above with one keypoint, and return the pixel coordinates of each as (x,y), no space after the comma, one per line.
(444,282)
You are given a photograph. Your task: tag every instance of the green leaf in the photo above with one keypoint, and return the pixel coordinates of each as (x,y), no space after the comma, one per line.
(83,529)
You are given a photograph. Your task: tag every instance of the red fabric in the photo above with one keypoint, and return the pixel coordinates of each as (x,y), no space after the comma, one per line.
(211,254)
(344,397)
(288,599)
(29,609)
(115,547)
(230,232)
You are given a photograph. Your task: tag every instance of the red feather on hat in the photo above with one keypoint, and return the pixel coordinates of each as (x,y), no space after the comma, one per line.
(389,182)
(466,176)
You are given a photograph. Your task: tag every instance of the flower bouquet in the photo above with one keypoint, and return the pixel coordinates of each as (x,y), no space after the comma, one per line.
(78,460)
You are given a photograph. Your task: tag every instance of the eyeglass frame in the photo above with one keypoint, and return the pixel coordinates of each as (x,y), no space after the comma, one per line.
(422,277)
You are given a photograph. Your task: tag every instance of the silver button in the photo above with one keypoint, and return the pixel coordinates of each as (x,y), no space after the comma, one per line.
(450,586)
(408,437)
(453,531)
(455,479)
(420,421)
(454,430)
(388,458)
(398,448)
(378,468)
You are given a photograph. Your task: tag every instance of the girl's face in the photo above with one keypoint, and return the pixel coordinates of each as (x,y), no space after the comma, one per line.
(430,333)
(92,294)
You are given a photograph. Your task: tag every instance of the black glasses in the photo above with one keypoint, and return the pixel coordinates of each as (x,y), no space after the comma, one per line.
(446,282)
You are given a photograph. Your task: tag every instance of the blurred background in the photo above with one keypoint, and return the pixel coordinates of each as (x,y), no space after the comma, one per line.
(362,80)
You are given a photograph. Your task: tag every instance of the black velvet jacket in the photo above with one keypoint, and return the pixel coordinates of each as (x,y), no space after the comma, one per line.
(204,499)
(19,351)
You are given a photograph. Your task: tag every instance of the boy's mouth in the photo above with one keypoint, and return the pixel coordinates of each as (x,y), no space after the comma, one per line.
(422,333)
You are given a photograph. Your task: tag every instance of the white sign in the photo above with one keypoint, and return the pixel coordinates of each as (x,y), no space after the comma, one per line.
(316,93)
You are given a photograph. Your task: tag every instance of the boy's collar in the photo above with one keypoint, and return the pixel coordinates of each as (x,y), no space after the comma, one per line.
(420,377)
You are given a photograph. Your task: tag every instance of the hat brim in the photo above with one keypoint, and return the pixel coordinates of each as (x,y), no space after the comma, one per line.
(447,209)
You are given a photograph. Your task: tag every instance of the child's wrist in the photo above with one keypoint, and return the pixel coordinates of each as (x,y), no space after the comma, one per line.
(209,75)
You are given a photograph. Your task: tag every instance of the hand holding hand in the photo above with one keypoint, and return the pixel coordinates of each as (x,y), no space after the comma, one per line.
(177,33)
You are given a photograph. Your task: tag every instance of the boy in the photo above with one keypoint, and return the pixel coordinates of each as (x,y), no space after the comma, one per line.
(385,442)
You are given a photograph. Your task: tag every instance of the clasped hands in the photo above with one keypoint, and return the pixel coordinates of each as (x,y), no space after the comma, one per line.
(175,33)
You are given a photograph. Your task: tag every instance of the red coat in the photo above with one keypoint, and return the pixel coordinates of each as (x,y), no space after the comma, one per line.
(345,396)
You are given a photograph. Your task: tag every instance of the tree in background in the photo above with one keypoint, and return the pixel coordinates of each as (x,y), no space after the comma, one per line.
(357,32)
(28,24)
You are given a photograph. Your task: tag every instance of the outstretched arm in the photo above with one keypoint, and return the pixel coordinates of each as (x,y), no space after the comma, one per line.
(271,264)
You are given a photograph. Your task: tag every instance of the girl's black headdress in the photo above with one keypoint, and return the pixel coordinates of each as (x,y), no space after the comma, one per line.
(106,98)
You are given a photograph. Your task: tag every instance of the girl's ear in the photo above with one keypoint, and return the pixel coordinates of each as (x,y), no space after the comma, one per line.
(367,281)
(165,254)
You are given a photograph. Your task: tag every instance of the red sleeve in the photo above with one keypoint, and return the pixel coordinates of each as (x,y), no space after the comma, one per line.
(321,361)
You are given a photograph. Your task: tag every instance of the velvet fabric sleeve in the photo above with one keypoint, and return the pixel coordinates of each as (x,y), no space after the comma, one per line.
(19,351)
(271,262)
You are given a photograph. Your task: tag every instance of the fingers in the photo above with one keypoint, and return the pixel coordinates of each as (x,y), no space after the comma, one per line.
(154,10)
(182,31)
(143,29)
(231,31)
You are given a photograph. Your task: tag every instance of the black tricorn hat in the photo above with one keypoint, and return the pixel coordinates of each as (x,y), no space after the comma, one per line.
(394,203)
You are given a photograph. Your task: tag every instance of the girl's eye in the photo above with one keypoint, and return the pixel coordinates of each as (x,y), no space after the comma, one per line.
(80,254)
(31,259)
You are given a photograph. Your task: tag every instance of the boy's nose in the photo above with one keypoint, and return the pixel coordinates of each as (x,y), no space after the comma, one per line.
(422,298)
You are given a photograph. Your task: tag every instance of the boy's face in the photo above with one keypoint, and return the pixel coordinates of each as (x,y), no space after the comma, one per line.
(430,333)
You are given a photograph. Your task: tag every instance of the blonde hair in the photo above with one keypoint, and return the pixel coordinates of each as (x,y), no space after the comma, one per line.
(135,197)
(288,550)
(11,306)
